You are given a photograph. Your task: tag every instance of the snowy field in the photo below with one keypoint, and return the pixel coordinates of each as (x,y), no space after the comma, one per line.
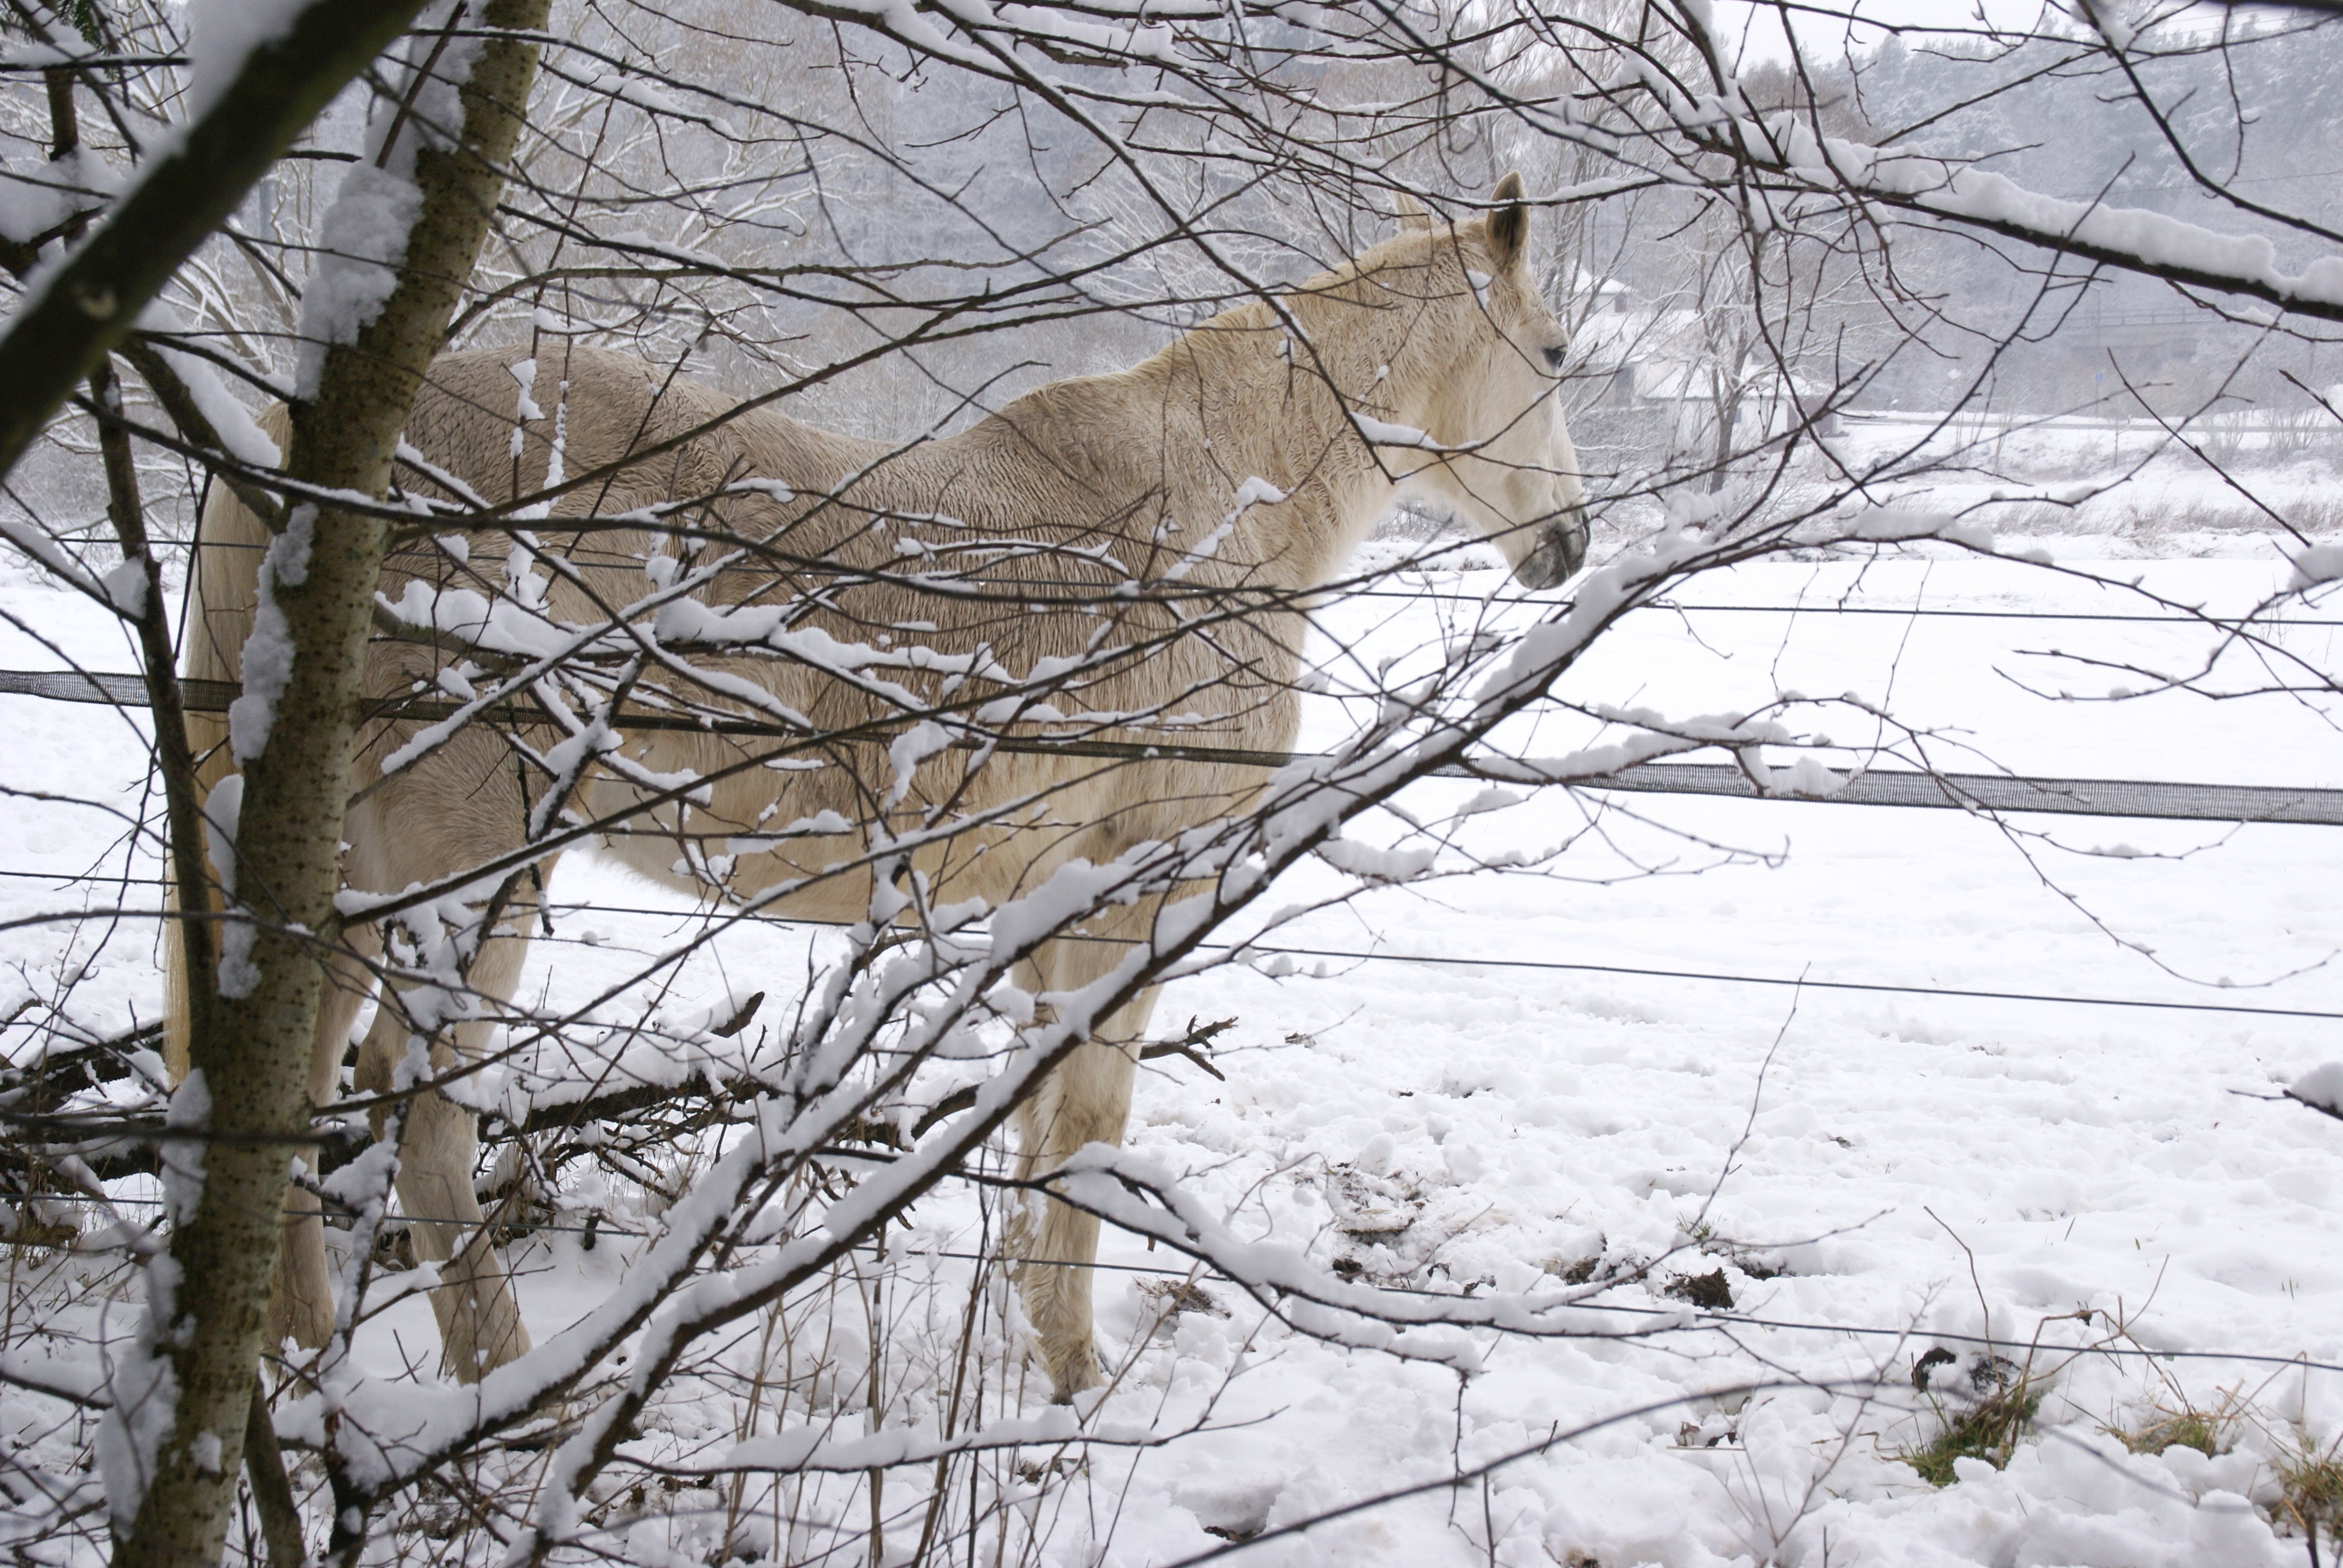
(1911,1171)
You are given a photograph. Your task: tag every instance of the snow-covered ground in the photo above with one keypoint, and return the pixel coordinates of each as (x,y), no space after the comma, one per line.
(2124,486)
(1867,1169)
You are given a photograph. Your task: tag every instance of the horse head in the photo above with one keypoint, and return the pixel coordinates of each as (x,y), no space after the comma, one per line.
(1488,358)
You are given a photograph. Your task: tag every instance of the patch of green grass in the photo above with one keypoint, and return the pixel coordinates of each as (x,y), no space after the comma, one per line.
(1987,1428)
(2311,1479)
(2178,1420)
(2189,1429)
(2209,1432)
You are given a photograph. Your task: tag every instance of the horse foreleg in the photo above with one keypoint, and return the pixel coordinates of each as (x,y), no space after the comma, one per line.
(1086,1100)
(480,1318)
(301,1291)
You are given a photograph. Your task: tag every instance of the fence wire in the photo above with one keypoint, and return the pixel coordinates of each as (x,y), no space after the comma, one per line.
(1947,792)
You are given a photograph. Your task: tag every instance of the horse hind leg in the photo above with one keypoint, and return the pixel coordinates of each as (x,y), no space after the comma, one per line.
(1087,1100)
(480,1326)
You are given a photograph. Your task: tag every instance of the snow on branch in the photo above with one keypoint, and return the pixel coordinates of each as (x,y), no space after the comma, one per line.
(2154,244)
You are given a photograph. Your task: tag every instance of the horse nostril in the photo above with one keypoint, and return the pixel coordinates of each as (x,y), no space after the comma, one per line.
(1561,551)
(1573,538)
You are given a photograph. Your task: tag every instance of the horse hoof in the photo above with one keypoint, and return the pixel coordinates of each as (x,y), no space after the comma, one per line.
(1087,1373)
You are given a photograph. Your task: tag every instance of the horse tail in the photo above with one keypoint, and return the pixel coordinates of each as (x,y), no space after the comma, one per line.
(229,542)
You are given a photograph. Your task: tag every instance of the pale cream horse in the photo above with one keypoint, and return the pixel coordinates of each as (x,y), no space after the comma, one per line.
(1239,456)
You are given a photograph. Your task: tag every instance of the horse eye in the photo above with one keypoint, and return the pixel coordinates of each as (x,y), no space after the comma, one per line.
(1554,354)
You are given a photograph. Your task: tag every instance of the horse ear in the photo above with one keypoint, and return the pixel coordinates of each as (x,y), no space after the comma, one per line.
(1412,215)
(1509,223)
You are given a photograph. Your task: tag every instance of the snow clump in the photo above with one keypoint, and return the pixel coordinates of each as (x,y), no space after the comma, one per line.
(2322,1086)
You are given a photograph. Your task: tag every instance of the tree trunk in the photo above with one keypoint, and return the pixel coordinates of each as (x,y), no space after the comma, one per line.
(249,1053)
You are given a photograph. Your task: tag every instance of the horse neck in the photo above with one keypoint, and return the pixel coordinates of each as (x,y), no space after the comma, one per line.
(1287,427)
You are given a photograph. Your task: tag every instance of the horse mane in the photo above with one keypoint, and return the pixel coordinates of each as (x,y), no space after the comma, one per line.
(1226,358)
(1210,344)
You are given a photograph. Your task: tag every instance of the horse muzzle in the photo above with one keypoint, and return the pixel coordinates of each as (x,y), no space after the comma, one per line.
(1560,551)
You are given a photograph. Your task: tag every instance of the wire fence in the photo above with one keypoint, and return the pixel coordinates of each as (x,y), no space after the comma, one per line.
(1692,1318)
(1505,593)
(557,912)
(1972,792)
(1976,792)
